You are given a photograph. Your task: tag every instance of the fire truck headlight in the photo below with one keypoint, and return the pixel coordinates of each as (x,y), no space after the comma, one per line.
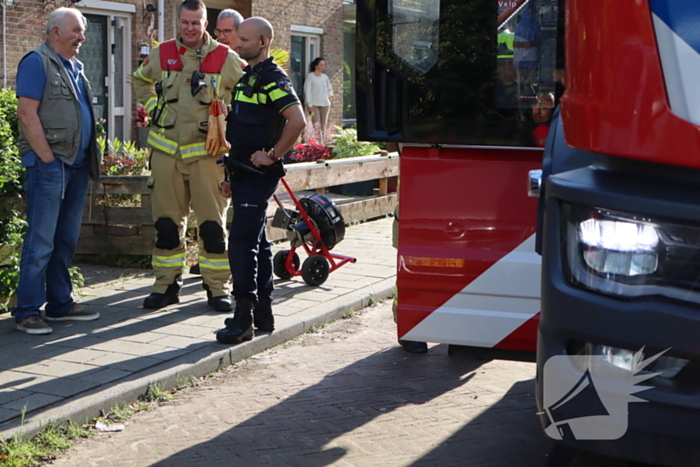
(618,247)
(629,255)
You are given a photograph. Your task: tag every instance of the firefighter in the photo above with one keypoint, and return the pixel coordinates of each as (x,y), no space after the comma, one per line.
(266,120)
(176,84)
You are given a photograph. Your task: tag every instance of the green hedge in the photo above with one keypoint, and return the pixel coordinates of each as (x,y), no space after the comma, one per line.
(12,223)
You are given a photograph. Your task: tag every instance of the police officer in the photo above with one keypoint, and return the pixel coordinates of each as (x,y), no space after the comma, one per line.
(265,121)
(176,84)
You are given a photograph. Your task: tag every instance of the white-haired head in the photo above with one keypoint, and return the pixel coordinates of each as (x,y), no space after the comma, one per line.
(57,19)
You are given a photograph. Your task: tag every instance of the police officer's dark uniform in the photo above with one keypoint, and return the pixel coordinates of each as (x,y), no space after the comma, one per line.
(254,123)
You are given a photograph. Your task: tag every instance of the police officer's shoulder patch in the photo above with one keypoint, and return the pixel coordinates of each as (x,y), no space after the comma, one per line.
(285,85)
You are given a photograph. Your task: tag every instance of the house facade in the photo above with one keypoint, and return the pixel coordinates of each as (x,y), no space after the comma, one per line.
(120,33)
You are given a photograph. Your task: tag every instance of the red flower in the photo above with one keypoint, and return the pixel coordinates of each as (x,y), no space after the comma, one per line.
(311,151)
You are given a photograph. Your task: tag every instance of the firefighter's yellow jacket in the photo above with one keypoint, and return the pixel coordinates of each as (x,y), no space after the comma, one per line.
(162,85)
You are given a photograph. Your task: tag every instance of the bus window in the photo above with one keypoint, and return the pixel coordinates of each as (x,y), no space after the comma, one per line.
(474,72)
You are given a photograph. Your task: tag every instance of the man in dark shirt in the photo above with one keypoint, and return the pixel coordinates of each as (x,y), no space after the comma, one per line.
(265,121)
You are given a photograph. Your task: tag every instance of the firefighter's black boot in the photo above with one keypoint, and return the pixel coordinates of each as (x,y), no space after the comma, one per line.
(220,302)
(159,300)
(239,328)
(263,319)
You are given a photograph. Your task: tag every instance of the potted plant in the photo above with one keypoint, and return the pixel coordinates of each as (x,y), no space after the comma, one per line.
(345,145)
(310,151)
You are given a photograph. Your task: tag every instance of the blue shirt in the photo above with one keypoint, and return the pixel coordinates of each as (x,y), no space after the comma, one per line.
(31,81)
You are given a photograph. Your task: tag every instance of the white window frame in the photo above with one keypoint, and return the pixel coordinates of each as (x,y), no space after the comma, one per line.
(313,44)
(112,11)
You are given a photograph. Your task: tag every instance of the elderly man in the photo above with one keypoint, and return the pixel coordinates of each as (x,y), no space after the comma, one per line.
(58,145)
(227,26)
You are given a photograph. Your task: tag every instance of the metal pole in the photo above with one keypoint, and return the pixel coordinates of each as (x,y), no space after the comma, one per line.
(161,19)
(4,45)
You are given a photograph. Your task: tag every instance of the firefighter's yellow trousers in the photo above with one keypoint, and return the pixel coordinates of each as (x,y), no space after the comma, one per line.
(176,185)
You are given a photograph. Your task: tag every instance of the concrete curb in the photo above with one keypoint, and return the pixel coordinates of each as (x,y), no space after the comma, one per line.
(199,362)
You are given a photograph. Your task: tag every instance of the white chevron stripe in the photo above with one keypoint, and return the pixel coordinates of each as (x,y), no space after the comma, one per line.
(491,307)
(681,67)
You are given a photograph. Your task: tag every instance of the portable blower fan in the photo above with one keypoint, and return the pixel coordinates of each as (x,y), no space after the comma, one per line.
(317,226)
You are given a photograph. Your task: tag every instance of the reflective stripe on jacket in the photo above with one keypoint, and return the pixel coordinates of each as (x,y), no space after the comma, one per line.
(179,120)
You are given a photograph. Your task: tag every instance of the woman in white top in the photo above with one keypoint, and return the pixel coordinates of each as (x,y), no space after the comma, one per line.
(317,90)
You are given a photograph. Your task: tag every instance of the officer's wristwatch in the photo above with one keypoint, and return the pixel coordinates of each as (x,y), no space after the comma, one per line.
(272,156)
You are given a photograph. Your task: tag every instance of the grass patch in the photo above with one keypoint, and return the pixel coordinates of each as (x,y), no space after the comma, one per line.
(17,452)
(349,314)
(156,393)
(183,382)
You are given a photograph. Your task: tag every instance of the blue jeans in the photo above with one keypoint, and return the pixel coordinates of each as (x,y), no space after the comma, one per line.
(249,251)
(55,194)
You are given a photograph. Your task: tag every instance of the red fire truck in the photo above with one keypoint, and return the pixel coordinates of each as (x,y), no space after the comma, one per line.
(467,87)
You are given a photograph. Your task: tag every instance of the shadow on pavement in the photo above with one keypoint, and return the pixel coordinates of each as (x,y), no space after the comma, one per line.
(302,428)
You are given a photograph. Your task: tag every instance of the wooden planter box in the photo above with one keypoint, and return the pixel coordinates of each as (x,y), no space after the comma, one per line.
(130,230)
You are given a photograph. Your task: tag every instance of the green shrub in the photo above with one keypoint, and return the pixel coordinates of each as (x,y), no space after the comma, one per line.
(346,144)
(12,224)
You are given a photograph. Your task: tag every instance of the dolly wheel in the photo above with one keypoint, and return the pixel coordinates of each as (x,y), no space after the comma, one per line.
(278,265)
(315,270)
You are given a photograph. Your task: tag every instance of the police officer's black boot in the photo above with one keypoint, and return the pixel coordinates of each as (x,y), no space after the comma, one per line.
(159,300)
(220,302)
(263,319)
(239,328)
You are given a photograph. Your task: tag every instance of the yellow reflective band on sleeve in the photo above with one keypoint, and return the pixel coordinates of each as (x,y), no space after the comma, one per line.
(139,74)
(209,263)
(150,104)
(162,143)
(193,150)
(277,94)
(174,261)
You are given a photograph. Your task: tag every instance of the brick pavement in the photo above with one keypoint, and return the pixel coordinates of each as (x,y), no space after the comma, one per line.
(85,368)
(345,396)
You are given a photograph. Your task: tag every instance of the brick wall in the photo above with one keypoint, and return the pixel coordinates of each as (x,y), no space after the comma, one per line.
(26,21)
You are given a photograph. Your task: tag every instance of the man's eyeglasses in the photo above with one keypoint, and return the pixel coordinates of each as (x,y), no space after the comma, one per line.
(223,32)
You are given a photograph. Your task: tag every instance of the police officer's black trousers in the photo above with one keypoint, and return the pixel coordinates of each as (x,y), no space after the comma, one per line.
(250,254)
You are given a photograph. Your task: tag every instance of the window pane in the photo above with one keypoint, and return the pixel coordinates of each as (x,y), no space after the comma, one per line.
(476,72)
(297,64)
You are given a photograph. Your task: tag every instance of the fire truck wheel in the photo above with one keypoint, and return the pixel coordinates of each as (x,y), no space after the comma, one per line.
(278,264)
(315,270)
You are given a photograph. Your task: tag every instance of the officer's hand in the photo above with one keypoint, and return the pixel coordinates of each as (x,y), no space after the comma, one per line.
(260,159)
(225,188)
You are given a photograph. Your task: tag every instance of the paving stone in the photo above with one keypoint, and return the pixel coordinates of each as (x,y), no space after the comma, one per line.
(104,375)
(56,368)
(127,362)
(10,394)
(32,402)
(63,387)
(8,414)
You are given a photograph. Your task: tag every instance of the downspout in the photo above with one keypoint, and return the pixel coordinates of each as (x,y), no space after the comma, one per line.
(4,45)
(161,19)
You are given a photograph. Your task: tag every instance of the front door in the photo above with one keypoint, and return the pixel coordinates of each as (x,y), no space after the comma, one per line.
(105,53)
